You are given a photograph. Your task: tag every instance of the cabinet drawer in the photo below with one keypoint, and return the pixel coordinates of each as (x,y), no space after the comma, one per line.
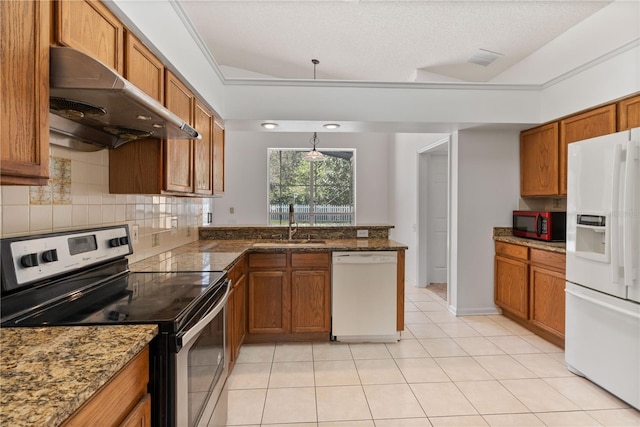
(514,251)
(310,260)
(267,260)
(551,259)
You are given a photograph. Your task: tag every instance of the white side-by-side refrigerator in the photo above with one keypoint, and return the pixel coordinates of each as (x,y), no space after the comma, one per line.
(602,337)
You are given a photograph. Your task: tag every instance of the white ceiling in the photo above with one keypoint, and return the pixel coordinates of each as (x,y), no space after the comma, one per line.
(393,41)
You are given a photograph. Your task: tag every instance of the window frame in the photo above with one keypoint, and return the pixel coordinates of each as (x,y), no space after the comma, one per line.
(324,151)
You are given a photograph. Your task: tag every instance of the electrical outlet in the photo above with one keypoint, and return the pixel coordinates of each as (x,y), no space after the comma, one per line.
(232,210)
(174,225)
(362,233)
(135,233)
(136,289)
(155,239)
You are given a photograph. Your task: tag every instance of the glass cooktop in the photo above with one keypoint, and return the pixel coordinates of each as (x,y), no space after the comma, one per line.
(146,297)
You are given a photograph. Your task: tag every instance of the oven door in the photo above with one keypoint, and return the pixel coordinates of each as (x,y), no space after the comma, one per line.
(201,368)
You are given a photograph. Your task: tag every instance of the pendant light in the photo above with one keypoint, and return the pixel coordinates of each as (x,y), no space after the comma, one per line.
(314,155)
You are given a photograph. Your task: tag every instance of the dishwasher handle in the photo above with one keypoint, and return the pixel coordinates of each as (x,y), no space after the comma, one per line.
(365,257)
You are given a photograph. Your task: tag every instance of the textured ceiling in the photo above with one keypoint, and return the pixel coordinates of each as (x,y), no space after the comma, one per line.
(395,41)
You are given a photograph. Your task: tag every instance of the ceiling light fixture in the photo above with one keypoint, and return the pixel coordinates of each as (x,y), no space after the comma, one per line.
(331,126)
(269,125)
(314,155)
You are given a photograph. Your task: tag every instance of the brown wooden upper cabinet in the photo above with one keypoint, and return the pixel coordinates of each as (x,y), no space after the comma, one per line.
(24,104)
(539,161)
(598,122)
(143,68)
(87,25)
(178,154)
(218,158)
(629,113)
(203,150)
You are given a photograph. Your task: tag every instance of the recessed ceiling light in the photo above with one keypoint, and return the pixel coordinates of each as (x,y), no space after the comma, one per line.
(269,125)
(331,126)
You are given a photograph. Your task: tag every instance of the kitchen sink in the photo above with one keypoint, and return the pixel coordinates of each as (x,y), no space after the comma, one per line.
(290,243)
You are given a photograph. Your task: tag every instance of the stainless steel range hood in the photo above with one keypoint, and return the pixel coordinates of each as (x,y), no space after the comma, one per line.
(90,102)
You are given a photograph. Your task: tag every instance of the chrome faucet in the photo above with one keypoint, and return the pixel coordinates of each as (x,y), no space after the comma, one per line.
(292,222)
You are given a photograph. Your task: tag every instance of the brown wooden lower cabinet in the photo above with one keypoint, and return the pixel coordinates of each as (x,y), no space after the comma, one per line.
(511,285)
(310,301)
(237,309)
(546,301)
(121,401)
(289,296)
(269,302)
(529,287)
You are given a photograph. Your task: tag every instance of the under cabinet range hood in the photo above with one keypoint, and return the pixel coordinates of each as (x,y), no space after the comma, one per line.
(91,103)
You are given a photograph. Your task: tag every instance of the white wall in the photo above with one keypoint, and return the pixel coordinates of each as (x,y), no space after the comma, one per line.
(403,193)
(485,189)
(246,173)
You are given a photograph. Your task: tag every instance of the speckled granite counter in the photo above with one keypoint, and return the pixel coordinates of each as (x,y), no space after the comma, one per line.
(46,374)
(221,254)
(333,232)
(503,234)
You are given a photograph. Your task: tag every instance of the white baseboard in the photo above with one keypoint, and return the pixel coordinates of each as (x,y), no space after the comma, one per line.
(475,311)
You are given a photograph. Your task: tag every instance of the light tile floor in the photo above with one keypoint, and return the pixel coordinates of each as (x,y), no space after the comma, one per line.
(446,371)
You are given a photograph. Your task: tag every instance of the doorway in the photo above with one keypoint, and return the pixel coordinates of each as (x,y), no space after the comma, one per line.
(433,214)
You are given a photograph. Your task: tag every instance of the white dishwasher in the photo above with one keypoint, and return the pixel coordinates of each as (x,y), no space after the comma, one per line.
(363,296)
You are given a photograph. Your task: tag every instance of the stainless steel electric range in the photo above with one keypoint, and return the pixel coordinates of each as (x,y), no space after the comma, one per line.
(81,277)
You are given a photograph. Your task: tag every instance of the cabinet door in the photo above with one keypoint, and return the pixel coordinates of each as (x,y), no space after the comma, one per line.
(203,150)
(598,122)
(24,103)
(230,328)
(218,158)
(87,25)
(178,160)
(240,315)
(310,301)
(269,302)
(143,69)
(511,281)
(629,113)
(539,161)
(547,300)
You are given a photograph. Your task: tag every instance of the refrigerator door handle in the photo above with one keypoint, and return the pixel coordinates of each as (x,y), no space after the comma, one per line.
(615,221)
(627,219)
(632,314)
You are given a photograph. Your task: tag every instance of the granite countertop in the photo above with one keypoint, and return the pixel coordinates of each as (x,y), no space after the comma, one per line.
(503,234)
(47,373)
(205,255)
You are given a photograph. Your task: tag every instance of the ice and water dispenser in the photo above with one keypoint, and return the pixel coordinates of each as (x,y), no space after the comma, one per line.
(592,237)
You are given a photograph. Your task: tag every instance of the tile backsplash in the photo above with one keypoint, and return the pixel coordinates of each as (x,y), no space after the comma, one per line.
(77,197)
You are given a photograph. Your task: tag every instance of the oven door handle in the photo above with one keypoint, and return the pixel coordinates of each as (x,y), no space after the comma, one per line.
(202,323)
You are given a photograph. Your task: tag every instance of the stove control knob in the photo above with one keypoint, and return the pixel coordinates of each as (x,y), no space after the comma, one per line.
(124,241)
(29,260)
(50,255)
(114,243)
